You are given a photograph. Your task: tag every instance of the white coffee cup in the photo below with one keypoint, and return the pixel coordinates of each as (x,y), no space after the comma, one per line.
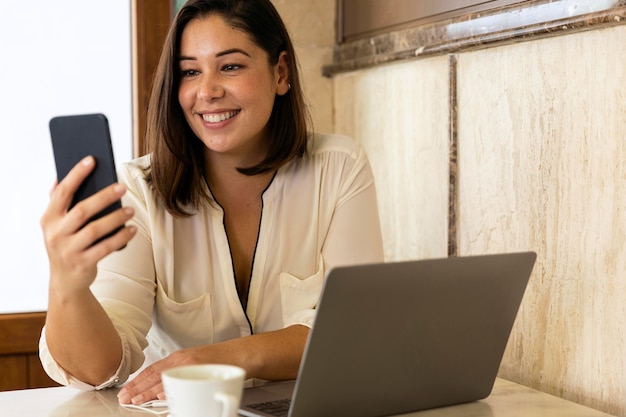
(203,390)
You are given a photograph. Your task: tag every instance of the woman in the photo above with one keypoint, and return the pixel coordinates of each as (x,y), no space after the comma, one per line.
(232,219)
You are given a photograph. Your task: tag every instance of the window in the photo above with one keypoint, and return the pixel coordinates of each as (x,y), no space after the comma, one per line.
(64,59)
(364,18)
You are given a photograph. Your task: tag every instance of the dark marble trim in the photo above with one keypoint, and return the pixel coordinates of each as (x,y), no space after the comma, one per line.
(453,166)
(529,20)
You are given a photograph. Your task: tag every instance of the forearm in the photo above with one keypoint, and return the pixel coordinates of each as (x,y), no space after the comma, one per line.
(81,337)
(273,355)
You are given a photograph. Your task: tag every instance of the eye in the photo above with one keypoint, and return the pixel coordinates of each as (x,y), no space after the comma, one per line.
(231,67)
(188,73)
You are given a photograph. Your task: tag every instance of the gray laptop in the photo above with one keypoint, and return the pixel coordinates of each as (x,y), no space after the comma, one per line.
(400,337)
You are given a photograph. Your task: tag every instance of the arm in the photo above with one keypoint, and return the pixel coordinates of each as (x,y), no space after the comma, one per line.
(354,235)
(273,356)
(77,328)
(81,337)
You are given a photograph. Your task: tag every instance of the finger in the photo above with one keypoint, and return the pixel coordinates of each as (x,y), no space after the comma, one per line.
(102,236)
(154,393)
(62,195)
(86,209)
(110,244)
(139,390)
(77,250)
(54,187)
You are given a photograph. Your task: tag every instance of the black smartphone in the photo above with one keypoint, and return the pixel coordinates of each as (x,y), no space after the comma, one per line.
(73,138)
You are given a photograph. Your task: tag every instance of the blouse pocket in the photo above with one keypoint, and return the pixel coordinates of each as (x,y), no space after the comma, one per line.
(189,323)
(299,294)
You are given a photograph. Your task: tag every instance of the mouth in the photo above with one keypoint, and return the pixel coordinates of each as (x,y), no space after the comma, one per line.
(219,117)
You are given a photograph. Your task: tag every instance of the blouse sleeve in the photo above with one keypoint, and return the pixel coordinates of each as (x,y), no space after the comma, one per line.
(348,224)
(354,234)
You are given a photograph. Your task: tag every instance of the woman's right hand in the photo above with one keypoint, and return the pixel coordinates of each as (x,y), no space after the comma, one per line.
(69,242)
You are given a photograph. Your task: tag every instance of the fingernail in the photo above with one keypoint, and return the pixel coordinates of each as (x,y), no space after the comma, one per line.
(119,188)
(88,160)
(129,211)
(137,400)
(123,398)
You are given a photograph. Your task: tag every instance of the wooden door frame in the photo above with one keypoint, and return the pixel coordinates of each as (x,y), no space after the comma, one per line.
(20,367)
(150,23)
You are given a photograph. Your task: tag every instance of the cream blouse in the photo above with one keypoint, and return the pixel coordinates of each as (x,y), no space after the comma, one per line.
(173,286)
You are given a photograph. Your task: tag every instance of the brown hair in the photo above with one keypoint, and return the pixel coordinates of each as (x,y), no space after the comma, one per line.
(177,158)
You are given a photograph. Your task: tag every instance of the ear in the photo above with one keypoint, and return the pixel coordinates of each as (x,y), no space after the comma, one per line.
(282,74)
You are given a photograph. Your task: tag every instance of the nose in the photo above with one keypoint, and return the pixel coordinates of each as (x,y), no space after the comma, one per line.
(210,88)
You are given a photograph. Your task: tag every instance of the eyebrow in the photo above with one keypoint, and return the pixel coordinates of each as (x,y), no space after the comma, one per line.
(219,54)
(232,51)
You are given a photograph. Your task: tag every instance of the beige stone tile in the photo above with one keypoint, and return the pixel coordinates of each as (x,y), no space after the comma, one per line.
(541,161)
(318,90)
(311,25)
(310,22)
(400,114)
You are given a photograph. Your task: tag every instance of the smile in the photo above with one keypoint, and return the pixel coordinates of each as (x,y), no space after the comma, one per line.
(216,118)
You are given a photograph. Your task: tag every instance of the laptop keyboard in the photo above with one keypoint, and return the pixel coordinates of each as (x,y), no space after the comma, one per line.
(278,408)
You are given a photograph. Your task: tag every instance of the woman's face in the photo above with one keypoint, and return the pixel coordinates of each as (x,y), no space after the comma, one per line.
(227,89)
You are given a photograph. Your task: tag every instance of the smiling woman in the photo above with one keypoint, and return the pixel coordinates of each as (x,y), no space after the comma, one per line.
(212,69)
(232,218)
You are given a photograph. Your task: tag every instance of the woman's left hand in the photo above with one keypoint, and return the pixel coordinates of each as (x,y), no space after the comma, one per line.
(147,386)
(273,355)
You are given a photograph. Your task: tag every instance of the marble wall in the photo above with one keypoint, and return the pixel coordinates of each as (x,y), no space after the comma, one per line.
(504,146)
(400,113)
(541,166)
(539,131)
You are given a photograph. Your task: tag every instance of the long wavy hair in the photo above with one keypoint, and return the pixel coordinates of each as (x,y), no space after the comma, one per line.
(177,155)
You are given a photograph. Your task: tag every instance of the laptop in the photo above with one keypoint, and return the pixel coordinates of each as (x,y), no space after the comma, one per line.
(399,337)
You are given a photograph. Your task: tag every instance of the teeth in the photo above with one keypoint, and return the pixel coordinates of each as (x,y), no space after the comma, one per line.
(216,118)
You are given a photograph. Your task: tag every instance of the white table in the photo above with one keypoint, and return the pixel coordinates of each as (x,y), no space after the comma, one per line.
(507,400)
